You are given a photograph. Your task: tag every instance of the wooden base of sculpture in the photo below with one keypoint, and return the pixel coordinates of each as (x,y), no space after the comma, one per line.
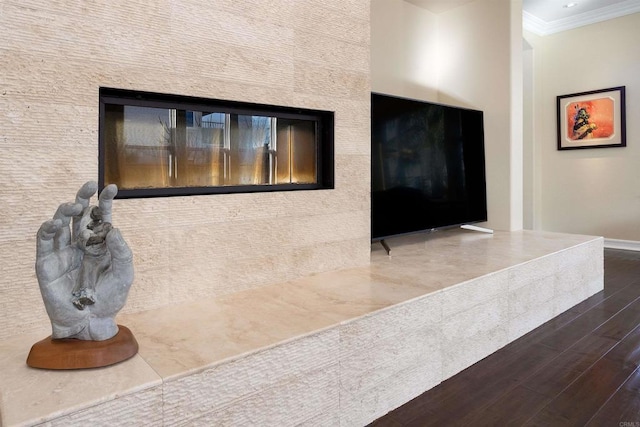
(70,353)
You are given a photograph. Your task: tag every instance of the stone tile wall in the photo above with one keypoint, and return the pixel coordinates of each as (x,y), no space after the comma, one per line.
(56,55)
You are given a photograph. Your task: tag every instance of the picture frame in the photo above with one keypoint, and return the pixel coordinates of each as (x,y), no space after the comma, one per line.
(593,119)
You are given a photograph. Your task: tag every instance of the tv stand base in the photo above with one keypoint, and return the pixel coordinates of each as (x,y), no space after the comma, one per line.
(386,247)
(476,228)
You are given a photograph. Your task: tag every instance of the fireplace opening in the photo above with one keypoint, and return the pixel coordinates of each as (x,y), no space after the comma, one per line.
(162,145)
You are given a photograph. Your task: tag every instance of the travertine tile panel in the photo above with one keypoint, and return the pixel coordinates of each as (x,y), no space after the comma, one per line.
(352,169)
(188,211)
(235,63)
(344,198)
(567,258)
(53,133)
(326,81)
(532,271)
(230,326)
(344,294)
(256,378)
(531,296)
(375,365)
(29,395)
(317,229)
(143,408)
(466,295)
(122,31)
(329,418)
(362,409)
(388,358)
(565,300)
(318,17)
(352,112)
(30,200)
(329,50)
(220,274)
(232,25)
(417,314)
(595,285)
(536,316)
(580,277)
(294,402)
(355,8)
(474,334)
(415,270)
(153,288)
(329,256)
(353,141)
(569,279)
(23,282)
(199,244)
(277,12)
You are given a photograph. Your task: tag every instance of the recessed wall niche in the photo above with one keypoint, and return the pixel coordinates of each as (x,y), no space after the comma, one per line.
(163,145)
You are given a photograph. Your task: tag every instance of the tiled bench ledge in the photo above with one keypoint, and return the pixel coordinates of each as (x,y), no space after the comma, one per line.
(340,348)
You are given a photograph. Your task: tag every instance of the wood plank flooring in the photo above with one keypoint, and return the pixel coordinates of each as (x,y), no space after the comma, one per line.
(579,369)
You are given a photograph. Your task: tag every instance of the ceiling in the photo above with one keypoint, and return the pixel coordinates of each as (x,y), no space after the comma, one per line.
(551,16)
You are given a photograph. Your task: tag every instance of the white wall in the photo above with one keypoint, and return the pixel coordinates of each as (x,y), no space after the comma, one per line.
(528,157)
(593,191)
(404,50)
(475,51)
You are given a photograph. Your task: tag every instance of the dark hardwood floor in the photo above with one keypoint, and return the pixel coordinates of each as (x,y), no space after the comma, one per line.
(580,368)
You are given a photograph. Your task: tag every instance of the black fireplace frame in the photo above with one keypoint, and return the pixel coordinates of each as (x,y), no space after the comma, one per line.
(325,155)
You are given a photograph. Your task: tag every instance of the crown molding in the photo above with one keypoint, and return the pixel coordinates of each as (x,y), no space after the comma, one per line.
(542,28)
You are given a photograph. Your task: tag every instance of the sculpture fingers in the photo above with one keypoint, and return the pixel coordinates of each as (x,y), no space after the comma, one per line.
(121,256)
(105,201)
(85,193)
(65,212)
(44,237)
(114,285)
(83,196)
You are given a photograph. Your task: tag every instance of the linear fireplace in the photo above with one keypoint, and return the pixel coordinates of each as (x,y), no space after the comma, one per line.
(162,145)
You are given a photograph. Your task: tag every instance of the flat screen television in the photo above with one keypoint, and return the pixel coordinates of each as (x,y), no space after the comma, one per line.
(427,168)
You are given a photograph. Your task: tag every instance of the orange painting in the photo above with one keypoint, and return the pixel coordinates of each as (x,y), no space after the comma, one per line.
(590,119)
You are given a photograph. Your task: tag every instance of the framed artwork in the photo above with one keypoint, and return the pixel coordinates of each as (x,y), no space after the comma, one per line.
(594,119)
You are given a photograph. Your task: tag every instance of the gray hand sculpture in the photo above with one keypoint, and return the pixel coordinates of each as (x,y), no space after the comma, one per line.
(85,273)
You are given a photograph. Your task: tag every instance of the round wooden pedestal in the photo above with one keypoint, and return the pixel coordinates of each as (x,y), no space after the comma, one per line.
(70,353)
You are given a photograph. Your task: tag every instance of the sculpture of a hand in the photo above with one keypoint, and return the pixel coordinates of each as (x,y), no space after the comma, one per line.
(85,272)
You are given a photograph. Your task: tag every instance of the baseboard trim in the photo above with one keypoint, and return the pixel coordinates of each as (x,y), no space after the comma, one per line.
(627,245)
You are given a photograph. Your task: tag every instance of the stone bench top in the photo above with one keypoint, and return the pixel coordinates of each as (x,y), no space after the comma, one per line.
(181,340)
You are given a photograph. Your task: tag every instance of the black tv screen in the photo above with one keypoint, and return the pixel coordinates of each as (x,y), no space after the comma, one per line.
(427,168)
